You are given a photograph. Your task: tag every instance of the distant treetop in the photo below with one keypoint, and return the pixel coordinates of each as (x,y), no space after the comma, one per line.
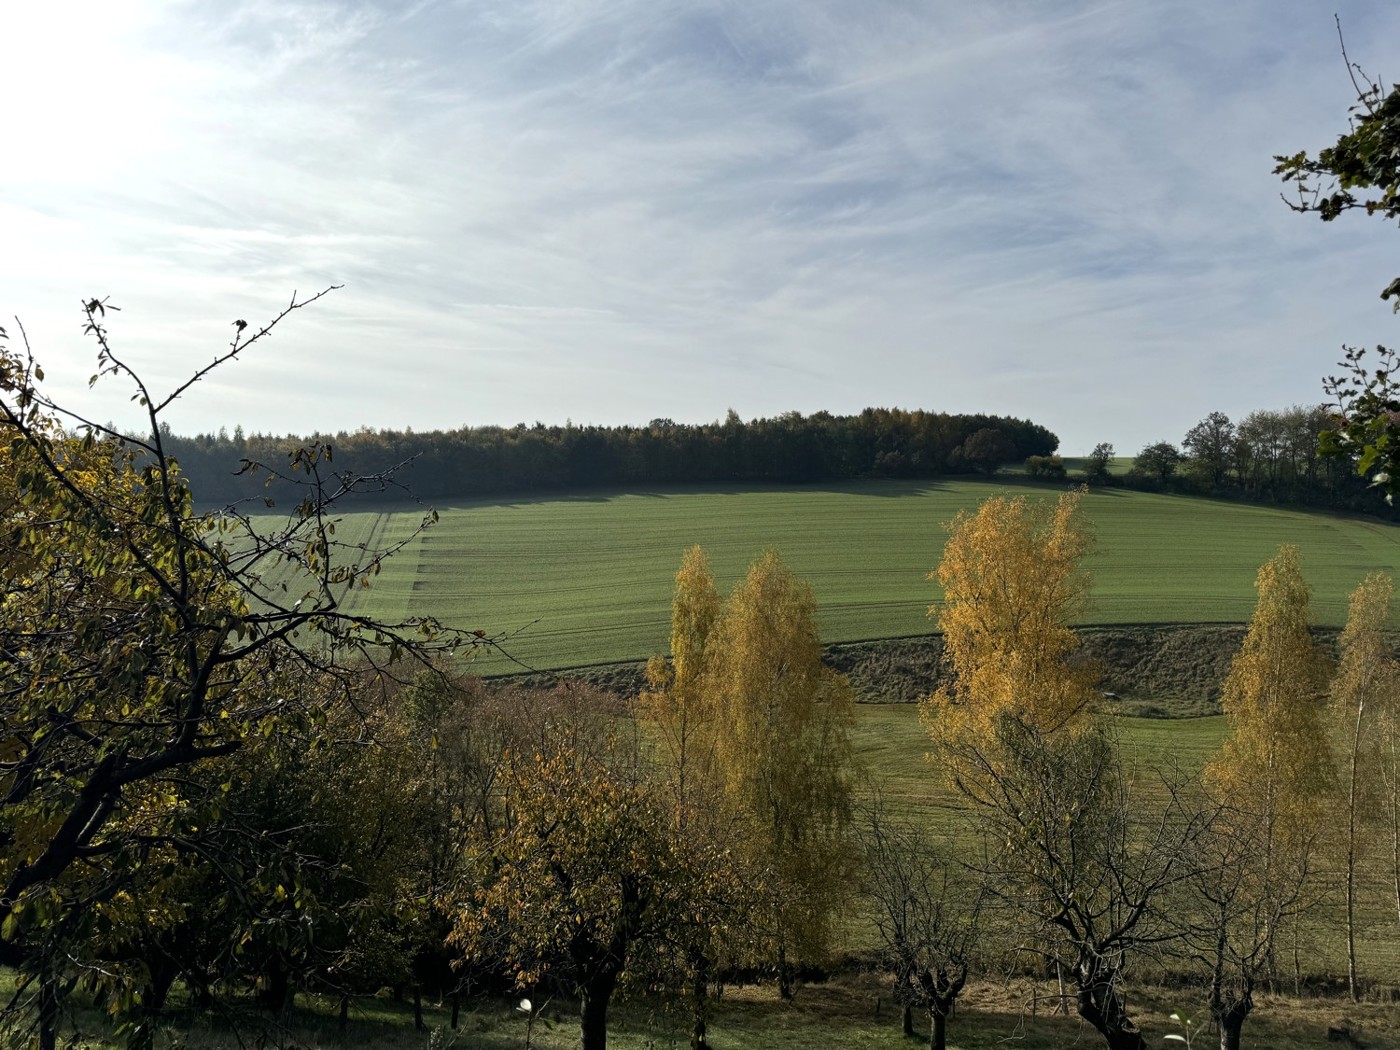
(489,460)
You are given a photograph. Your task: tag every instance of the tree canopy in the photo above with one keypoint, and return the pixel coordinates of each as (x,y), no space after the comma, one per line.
(142,639)
(1359,173)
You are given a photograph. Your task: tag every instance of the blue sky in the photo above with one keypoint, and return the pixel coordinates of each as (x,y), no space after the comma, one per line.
(614,210)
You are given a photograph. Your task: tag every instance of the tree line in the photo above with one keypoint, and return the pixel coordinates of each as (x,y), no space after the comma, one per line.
(1269,456)
(489,460)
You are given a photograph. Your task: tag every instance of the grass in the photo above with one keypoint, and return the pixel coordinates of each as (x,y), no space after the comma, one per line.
(850,1012)
(587,579)
(892,746)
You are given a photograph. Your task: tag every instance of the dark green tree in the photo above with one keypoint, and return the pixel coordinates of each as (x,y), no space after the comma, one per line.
(987,450)
(1210,444)
(1096,464)
(1158,462)
(1361,173)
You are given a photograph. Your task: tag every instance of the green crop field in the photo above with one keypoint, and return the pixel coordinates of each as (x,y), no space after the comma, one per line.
(587,579)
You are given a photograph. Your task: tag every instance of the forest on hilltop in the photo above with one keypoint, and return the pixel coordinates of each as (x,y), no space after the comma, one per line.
(490,460)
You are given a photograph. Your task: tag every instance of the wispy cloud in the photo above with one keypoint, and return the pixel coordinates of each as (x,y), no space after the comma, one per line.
(619,209)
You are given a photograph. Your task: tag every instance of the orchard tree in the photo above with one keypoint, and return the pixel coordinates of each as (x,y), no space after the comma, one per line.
(1365,699)
(584,880)
(928,912)
(783,754)
(1239,896)
(142,639)
(1085,867)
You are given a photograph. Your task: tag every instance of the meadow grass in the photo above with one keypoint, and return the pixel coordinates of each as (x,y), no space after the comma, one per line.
(581,580)
(852,1011)
(894,750)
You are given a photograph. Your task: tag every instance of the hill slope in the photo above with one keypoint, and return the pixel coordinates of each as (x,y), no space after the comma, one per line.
(587,579)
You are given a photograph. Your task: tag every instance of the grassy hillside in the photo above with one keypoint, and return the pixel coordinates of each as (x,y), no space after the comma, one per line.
(587,579)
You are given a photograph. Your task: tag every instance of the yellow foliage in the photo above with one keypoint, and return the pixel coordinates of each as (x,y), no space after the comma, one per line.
(1366,688)
(676,701)
(782,752)
(1276,763)
(1011,581)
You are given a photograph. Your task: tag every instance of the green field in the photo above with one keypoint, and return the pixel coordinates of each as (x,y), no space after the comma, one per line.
(893,747)
(587,579)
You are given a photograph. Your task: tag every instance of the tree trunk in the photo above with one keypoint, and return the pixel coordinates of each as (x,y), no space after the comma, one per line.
(907,1019)
(1351,857)
(1393,785)
(593,1022)
(48,1013)
(699,997)
(277,991)
(784,974)
(456,1009)
(593,1008)
(162,977)
(344,1012)
(418,1024)
(1230,1020)
(1100,1005)
(938,1031)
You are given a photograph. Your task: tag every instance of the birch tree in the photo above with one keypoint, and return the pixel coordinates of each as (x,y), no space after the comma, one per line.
(1363,700)
(679,706)
(1012,580)
(1275,763)
(783,752)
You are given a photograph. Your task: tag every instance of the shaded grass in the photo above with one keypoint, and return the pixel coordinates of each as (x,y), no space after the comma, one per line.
(850,1012)
(587,579)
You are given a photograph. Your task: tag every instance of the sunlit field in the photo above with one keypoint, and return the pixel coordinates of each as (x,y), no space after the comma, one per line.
(580,580)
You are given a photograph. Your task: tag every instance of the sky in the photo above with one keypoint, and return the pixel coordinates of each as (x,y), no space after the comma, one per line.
(607,211)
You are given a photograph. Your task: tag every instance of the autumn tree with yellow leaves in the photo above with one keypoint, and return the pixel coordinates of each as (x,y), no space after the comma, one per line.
(782,752)
(1069,848)
(1012,580)
(1274,769)
(1275,756)
(1365,699)
(681,710)
(675,700)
